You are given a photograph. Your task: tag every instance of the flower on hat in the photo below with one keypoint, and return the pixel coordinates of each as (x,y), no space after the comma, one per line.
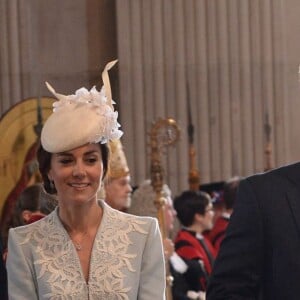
(80,118)
(96,100)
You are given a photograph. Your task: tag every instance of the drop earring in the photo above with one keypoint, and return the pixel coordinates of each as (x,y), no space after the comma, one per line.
(52,186)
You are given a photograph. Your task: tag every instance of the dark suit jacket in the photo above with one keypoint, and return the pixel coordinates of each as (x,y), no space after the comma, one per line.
(260,254)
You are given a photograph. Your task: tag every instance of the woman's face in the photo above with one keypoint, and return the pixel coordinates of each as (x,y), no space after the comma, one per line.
(77,174)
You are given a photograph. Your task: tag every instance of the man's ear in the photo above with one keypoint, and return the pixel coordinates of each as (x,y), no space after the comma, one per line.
(198,218)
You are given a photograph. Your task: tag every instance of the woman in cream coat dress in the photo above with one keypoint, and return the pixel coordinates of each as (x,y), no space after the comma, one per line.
(84,249)
(43,263)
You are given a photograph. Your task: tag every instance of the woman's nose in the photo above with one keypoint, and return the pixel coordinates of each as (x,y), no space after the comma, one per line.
(78,170)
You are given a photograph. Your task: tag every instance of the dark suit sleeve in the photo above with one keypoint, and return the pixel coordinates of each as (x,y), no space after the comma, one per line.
(238,267)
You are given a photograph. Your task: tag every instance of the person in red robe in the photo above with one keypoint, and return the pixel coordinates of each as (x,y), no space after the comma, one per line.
(216,235)
(32,205)
(195,214)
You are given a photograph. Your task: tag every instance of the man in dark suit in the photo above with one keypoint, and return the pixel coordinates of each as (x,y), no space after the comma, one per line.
(260,254)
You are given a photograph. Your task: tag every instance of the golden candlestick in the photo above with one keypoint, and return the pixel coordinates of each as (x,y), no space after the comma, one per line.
(194,177)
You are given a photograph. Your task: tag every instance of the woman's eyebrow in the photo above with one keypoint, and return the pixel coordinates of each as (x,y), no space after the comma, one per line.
(70,154)
(64,154)
(91,152)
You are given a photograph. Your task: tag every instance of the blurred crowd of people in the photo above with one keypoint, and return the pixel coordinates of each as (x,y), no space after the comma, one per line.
(191,254)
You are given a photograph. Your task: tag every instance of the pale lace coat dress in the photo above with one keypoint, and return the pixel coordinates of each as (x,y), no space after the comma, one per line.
(126,262)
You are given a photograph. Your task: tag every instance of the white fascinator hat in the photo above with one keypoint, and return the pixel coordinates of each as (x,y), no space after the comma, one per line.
(82,118)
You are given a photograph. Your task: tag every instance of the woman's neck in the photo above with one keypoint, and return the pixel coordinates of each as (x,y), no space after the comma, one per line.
(80,218)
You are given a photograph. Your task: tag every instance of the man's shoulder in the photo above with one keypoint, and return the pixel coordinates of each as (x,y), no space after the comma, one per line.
(276,179)
(288,171)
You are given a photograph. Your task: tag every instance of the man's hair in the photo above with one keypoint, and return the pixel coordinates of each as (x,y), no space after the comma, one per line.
(230,191)
(190,203)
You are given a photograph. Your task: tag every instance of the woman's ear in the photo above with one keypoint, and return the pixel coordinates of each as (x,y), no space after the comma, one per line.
(198,218)
(26,215)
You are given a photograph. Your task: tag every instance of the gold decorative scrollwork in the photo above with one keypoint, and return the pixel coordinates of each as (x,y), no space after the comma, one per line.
(164,132)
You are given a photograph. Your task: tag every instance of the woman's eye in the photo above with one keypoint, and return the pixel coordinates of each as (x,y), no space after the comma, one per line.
(92,160)
(65,161)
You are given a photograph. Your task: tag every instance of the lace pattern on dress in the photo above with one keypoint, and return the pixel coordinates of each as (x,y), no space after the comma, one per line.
(57,263)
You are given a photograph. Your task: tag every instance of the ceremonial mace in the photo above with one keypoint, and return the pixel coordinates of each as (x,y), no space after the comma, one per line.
(163,133)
